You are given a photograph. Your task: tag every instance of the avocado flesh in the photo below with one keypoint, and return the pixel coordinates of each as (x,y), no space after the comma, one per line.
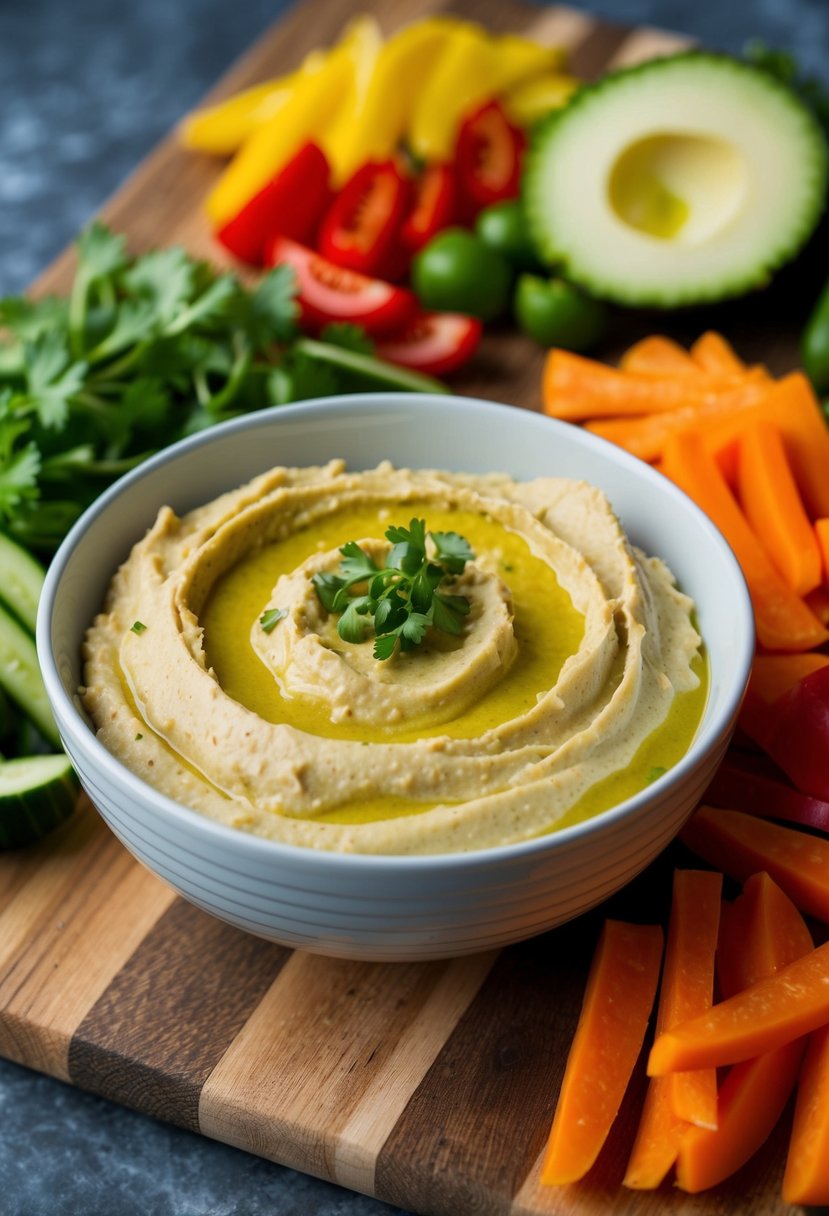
(685,180)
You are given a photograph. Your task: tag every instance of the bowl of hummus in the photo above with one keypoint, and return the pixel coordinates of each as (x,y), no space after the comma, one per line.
(395,677)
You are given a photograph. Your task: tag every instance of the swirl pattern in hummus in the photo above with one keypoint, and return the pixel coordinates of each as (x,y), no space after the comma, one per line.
(340,730)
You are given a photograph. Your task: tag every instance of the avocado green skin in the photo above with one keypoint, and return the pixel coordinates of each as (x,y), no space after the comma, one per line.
(555,313)
(814,344)
(542,146)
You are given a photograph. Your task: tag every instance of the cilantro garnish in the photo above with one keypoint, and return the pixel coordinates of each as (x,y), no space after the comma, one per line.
(269,620)
(137,627)
(655,773)
(405,597)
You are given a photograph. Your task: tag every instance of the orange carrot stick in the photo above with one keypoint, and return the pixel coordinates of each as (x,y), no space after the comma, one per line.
(575,388)
(686,990)
(783,621)
(614,1016)
(772,675)
(657,355)
(740,844)
(774,508)
(822,537)
(817,601)
(713,354)
(777,1010)
(760,933)
(806,1179)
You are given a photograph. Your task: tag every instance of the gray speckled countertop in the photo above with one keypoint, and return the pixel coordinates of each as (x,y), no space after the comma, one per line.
(86,88)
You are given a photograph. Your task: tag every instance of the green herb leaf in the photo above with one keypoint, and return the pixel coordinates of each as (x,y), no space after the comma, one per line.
(655,773)
(403,598)
(347,337)
(269,620)
(137,627)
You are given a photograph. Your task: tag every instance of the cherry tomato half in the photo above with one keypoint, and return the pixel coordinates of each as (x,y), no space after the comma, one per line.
(433,342)
(329,293)
(360,227)
(488,158)
(433,207)
(290,205)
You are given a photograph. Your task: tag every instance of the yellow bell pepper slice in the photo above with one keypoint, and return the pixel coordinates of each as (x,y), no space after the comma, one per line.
(306,113)
(462,78)
(518,59)
(532,99)
(375,125)
(222,129)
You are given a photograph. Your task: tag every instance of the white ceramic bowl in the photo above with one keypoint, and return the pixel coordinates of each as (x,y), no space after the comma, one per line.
(378,907)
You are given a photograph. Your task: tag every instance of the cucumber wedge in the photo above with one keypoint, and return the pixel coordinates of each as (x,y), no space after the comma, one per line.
(20,676)
(36,794)
(21,581)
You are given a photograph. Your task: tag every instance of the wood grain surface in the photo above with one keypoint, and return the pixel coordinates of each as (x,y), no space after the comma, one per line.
(430,1085)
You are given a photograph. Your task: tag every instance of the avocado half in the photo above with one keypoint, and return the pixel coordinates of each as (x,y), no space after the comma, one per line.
(681,181)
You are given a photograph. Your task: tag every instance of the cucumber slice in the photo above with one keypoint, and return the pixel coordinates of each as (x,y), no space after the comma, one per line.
(21,581)
(20,676)
(36,794)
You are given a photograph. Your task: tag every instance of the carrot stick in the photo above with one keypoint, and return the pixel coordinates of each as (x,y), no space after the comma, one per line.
(817,601)
(773,506)
(783,621)
(575,388)
(777,1010)
(740,844)
(760,933)
(658,356)
(686,990)
(806,1179)
(751,1100)
(614,1016)
(772,675)
(822,537)
(713,354)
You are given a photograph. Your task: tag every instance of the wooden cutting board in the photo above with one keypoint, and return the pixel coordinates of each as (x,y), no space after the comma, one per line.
(430,1086)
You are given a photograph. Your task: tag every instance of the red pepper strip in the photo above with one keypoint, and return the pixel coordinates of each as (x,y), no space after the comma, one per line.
(798,734)
(737,788)
(329,293)
(488,158)
(434,206)
(360,227)
(433,342)
(290,205)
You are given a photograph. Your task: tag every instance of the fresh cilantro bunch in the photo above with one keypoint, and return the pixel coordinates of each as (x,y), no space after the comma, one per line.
(403,598)
(145,351)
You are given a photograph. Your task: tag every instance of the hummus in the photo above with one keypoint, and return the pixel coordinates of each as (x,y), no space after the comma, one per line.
(576,679)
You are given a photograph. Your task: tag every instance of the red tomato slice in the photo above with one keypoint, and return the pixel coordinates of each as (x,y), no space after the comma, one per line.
(488,157)
(329,293)
(360,227)
(433,342)
(290,205)
(434,206)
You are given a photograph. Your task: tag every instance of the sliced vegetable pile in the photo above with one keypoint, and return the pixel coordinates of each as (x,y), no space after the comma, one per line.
(770,1027)
(371,163)
(143,352)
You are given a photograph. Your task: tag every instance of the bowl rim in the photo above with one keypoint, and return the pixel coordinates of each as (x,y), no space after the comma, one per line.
(68,714)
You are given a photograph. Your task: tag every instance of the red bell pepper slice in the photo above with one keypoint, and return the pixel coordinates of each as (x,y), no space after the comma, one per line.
(433,208)
(328,293)
(797,737)
(488,158)
(360,227)
(433,342)
(739,788)
(290,205)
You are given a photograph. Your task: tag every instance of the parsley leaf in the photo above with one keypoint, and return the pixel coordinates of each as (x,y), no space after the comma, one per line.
(403,598)
(271,618)
(347,337)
